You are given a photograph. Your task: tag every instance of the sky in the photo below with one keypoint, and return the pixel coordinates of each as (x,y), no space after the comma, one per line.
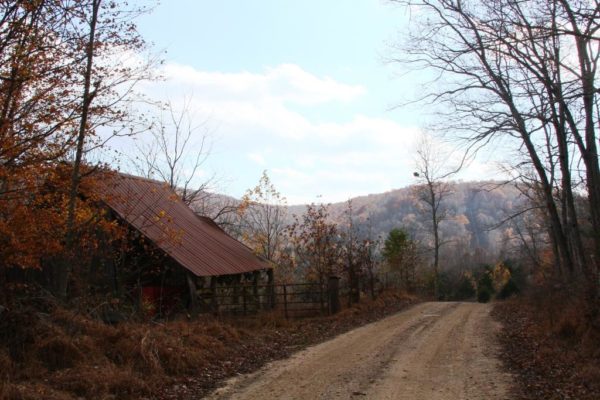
(301,89)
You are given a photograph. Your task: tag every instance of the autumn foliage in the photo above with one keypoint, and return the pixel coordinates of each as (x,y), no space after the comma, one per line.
(58,87)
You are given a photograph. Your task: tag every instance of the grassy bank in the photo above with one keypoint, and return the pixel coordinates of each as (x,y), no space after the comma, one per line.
(550,347)
(57,353)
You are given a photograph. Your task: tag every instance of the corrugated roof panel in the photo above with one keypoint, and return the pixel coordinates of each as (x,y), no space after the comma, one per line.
(197,243)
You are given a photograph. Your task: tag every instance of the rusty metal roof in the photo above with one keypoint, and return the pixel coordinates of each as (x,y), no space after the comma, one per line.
(197,243)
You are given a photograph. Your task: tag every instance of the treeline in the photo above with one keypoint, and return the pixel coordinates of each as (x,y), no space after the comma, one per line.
(475,212)
(520,78)
(386,237)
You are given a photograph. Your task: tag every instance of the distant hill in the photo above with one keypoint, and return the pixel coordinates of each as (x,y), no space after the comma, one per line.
(473,208)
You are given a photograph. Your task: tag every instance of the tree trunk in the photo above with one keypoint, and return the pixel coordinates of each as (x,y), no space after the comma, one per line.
(87,98)
(333,293)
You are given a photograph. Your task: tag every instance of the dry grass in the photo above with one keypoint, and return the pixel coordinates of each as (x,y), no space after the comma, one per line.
(69,356)
(553,346)
(64,355)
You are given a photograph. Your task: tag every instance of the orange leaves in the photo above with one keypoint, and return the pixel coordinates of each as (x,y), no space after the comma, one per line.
(262,212)
(26,226)
(52,99)
(316,243)
(33,217)
(500,275)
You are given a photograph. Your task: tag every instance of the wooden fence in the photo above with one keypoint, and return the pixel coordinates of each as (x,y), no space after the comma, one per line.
(294,300)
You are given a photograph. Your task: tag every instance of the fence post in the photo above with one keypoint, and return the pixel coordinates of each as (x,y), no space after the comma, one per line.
(271,288)
(333,292)
(321,296)
(236,291)
(244,297)
(285,305)
(372,282)
(213,289)
(255,290)
(193,307)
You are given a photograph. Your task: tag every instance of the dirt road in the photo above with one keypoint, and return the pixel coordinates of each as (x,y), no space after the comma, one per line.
(430,351)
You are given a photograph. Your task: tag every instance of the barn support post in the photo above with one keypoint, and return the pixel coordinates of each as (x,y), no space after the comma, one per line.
(214,303)
(255,277)
(244,299)
(119,264)
(139,288)
(116,284)
(333,292)
(236,289)
(271,288)
(322,295)
(193,293)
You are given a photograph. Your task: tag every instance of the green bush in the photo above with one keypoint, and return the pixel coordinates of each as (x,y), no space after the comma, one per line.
(465,289)
(485,286)
(444,286)
(508,290)
(483,295)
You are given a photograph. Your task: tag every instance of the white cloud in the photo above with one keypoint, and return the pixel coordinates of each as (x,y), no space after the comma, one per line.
(253,101)
(283,83)
(260,126)
(257,158)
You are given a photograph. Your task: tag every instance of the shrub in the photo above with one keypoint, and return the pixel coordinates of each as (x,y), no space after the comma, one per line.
(484,295)
(509,289)
(465,289)
(58,352)
(444,286)
(485,286)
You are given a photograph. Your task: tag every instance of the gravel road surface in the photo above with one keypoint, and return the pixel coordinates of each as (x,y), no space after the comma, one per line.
(430,351)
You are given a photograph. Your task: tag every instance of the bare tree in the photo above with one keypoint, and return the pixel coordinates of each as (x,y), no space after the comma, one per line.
(368,257)
(523,73)
(177,153)
(353,251)
(432,171)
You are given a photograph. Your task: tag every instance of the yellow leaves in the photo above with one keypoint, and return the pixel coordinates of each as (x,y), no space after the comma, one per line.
(500,275)
(160,215)
(33,218)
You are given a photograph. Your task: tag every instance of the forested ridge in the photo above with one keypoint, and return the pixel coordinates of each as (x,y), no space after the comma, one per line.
(481,218)
(477,211)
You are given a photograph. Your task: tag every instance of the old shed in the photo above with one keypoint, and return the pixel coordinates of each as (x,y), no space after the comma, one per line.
(196,244)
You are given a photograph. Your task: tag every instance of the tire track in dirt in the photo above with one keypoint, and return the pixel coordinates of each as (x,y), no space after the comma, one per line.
(430,351)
